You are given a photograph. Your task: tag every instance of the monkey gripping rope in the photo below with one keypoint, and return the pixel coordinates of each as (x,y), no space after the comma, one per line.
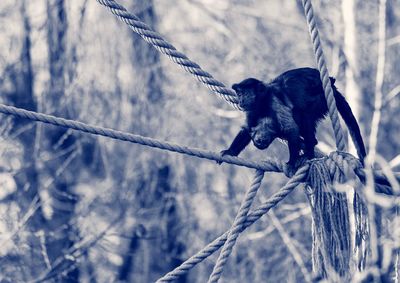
(323,70)
(155,39)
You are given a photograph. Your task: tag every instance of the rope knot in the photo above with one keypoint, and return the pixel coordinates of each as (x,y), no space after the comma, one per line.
(345,165)
(338,167)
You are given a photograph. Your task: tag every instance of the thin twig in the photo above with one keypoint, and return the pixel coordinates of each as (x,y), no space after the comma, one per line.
(291,247)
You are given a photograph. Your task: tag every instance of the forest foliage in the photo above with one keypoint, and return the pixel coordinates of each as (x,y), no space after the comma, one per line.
(82,208)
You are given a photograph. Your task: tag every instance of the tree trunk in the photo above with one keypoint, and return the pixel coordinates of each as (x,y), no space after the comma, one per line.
(162,247)
(353,95)
(352,89)
(62,234)
(22,95)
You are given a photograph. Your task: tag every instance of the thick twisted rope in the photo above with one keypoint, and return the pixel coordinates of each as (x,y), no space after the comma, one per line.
(323,70)
(155,39)
(268,165)
(237,227)
(253,216)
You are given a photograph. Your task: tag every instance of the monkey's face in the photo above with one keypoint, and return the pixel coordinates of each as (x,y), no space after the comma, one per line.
(247,92)
(264,133)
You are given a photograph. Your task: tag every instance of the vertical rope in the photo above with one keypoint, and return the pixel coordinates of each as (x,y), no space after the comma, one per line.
(323,70)
(237,227)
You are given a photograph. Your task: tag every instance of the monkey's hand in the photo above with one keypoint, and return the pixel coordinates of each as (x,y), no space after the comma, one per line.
(223,153)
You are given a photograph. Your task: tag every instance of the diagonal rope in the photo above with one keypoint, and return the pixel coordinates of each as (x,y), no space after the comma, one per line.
(252,217)
(323,70)
(155,39)
(237,227)
(268,165)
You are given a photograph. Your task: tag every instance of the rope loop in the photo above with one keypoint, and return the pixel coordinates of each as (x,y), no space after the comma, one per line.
(346,163)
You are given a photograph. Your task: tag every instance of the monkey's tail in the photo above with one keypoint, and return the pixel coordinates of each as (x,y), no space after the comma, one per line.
(351,122)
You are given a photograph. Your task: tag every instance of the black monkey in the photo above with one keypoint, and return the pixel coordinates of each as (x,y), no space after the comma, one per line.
(289,107)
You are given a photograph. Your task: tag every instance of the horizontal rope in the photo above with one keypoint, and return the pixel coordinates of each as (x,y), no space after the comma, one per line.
(270,165)
(251,218)
(163,46)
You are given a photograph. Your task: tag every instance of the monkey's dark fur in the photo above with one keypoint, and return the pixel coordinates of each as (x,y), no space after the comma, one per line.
(289,107)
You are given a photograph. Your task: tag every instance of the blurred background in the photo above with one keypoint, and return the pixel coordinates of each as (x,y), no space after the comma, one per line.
(81,208)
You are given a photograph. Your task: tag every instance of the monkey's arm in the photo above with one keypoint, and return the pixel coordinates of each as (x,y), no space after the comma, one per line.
(241,140)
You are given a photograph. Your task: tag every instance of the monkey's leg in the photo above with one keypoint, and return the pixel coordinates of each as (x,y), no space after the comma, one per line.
(294,144)
(307,126)
(309,137)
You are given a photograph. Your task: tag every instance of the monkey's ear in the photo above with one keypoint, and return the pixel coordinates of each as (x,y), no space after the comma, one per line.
(261,87)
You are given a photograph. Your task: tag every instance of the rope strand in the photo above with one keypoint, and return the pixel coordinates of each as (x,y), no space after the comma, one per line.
(252,217)
(267,165)
(323,70)
(237,227)
(155,39)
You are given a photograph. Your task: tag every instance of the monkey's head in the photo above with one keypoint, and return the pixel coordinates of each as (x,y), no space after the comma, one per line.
(265,132)
(247,92)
